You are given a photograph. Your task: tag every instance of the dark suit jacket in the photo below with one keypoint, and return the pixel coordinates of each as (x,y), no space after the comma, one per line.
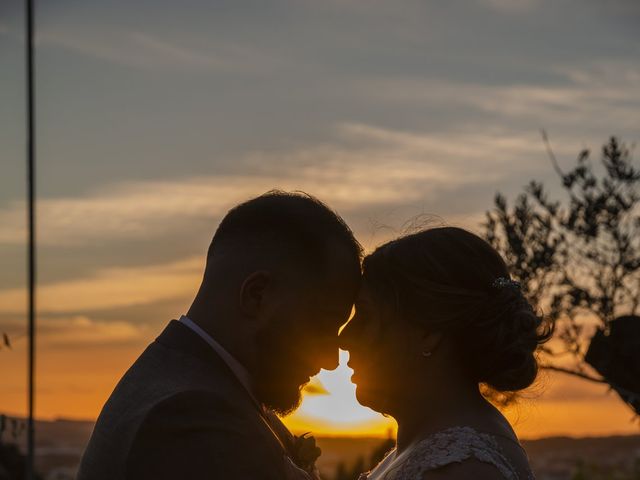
(180,413)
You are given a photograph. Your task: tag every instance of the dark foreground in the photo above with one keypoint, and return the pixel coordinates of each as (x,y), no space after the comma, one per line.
(60,444)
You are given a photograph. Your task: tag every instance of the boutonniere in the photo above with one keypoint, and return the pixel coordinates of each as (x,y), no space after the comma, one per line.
(305,453)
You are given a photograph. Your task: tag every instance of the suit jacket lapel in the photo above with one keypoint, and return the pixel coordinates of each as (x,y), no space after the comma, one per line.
(180,337)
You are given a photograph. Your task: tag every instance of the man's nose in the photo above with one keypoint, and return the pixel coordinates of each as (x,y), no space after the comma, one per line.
(329,357)
(335,360)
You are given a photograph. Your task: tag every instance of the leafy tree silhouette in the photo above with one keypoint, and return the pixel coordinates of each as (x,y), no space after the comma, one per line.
(12,461)
(579,262)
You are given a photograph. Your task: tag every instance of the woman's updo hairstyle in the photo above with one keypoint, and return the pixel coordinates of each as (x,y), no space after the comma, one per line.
(450,280)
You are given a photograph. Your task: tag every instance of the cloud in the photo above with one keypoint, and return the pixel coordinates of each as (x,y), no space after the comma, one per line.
(363,168)
(173,53)
(78,330)
(511,6)
(98,48)
(604,93)
(82,330)
(146,51)
(148,209)
(450,154)
(111,288)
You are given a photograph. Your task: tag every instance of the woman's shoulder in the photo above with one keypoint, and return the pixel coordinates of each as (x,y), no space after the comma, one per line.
(456,444)
(470,468)
(452,451)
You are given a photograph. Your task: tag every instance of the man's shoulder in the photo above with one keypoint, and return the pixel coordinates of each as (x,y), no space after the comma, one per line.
(200,432)
(174,363)
(164,379)
(174,397)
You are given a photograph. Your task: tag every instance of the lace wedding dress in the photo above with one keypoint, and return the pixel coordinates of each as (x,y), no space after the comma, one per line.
(452,445)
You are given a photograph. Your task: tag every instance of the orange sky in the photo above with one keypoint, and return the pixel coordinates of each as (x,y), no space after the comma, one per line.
(80,359)
(74,383)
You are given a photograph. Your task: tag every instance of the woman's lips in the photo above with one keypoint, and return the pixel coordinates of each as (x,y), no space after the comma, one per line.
(354,370)
(361,373)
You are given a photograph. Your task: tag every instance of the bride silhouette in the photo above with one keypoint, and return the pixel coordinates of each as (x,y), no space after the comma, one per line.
(436,318)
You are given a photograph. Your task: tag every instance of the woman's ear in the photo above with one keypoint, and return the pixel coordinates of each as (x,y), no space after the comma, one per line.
(430,343)
(253,291)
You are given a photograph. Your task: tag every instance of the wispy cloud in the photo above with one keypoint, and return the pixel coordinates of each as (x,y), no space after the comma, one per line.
(365,167)
(448,150)
(111,288)
(603,93)
(83,331)
(148,51)
(148,209)
(511,6)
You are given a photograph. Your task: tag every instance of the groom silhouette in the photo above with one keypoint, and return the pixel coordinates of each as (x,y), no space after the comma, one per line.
(281,275)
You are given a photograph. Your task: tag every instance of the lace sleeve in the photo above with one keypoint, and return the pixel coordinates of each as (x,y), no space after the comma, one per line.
(449,446)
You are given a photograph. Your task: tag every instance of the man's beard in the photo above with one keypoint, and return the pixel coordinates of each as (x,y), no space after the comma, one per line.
(281,398)
(272,375)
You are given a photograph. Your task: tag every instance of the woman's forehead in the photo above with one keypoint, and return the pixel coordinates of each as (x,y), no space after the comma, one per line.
(364,297)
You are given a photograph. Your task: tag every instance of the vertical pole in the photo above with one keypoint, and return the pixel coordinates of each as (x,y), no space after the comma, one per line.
(32,240)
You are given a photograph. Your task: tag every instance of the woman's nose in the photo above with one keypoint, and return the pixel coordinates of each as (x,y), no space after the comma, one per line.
(345,339)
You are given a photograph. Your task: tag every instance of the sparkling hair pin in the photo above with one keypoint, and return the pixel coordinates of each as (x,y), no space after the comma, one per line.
(503,282)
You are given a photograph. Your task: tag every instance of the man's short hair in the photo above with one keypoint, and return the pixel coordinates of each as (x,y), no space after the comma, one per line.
(298,224)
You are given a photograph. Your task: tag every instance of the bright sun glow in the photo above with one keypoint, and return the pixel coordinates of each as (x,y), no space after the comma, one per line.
(337,412)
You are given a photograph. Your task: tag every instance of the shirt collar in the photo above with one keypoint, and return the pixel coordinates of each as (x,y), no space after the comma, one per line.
(234,365)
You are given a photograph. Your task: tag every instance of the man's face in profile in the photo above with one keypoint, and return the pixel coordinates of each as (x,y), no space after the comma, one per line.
(302,338)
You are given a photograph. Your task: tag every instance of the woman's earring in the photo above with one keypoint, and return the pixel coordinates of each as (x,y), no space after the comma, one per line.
(427,354)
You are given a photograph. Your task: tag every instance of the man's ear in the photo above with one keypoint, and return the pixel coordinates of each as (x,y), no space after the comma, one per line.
(430,342)
(252,292)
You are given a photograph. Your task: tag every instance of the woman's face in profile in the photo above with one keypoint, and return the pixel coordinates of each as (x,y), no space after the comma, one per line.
(380,349)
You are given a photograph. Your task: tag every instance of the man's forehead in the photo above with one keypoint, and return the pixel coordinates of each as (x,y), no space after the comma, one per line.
(339,254)
(335,293)
(334,310)
(335,314)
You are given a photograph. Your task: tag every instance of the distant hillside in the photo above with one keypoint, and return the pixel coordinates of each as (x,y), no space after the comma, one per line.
(60,445)
(594,457)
